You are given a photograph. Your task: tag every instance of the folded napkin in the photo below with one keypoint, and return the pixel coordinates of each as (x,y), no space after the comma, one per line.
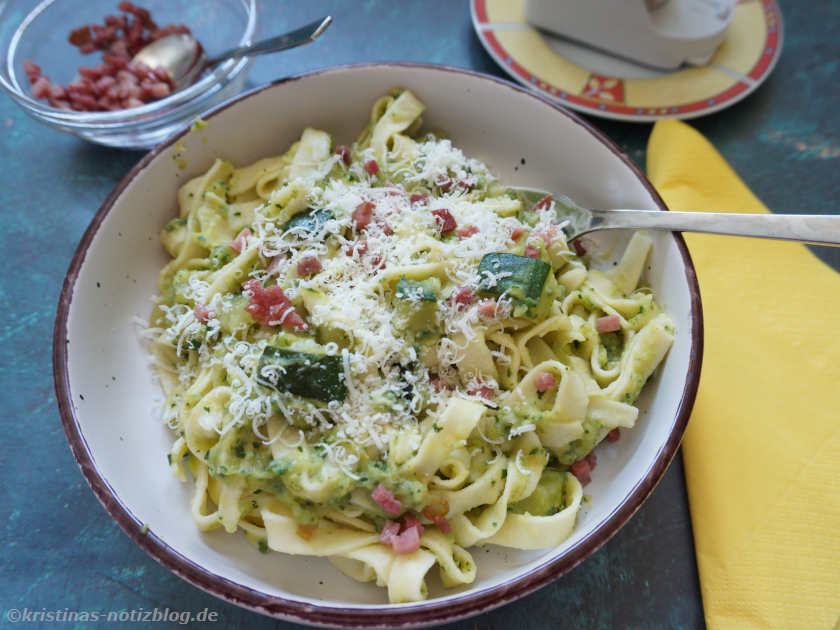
(762,449)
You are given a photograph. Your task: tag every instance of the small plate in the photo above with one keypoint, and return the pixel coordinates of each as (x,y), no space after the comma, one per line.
(597,83)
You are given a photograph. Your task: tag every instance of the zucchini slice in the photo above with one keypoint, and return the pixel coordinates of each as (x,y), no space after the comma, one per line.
(316,376)
(520,277)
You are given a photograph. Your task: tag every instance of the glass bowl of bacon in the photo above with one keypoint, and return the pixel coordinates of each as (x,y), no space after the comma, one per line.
(69,64)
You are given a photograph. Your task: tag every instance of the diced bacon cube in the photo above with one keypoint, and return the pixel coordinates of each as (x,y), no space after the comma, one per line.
(581,470)
(80,36)
(241,240)
(419,199)
(80,87)
(362,214)
(463,186)
(543,203)
(608,323)
(438,385)
(614,435)
(389,531)
(461,297)
(57,91)
(516,232)
(105,82)
(84,101)
(394,190)
(126,76)
(116,62)
(479,389)
(359,248)
(120,47)
(342,151)
(276,265)
(371,167)
(202,313)
(487,308)
(531,251)
(386,229)
(140,69)
(158,89)
(271,307)
(545,381)
(107,104)
(163,74)
(444,183)
(309,265)
(548,233)
(386,500)
(377,262)
(406,542)
(443,525)
(410,521)
(466,232)
(32,70)
(41,87)
(90,73)
(445,221)
(580,250)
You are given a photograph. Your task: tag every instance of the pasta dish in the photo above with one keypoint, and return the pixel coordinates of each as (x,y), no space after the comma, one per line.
(379,354)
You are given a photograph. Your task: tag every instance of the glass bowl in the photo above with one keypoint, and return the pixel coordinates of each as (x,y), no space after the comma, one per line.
(39,32)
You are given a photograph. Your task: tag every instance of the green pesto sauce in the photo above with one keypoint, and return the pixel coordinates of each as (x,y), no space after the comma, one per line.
(548,498)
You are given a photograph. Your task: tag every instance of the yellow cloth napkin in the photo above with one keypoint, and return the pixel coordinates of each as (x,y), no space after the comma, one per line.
(762,449)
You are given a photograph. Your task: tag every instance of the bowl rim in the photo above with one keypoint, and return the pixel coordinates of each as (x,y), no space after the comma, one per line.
(329,615)
(151,112)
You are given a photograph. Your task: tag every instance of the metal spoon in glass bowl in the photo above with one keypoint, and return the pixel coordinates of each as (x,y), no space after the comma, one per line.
(184,57)
(807,228)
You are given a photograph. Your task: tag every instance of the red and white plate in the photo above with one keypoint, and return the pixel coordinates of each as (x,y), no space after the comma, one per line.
(599,84)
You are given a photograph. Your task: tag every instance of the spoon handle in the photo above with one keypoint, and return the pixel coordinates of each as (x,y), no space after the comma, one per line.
(298,37)
(808,228)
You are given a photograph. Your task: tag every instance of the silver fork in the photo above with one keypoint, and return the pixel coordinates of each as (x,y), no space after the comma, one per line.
(808,228)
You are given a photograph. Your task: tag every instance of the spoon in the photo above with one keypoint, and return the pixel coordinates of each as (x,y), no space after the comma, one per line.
(807,228)
(184,58)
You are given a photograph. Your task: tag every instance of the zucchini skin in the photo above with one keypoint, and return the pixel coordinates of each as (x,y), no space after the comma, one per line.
(309,220)
(315,376)
(525,282)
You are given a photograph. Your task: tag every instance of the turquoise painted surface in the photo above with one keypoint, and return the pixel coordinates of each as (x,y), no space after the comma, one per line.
(60,548)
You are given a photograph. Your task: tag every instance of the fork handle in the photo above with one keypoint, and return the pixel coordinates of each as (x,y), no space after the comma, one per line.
(298,37)
(807,228)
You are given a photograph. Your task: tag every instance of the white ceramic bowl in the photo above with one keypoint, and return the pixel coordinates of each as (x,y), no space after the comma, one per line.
(104,386)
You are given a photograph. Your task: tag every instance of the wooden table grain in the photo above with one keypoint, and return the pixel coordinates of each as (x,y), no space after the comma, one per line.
(62,552)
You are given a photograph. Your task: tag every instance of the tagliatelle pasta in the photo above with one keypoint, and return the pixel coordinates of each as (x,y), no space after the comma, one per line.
(380,355)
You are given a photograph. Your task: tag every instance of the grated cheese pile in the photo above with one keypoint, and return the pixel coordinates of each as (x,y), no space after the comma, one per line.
(355,290)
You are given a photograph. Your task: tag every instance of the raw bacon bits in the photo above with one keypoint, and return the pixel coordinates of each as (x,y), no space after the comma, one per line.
(114,83)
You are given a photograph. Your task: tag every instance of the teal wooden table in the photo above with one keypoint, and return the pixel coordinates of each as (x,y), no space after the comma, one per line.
(62,552)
